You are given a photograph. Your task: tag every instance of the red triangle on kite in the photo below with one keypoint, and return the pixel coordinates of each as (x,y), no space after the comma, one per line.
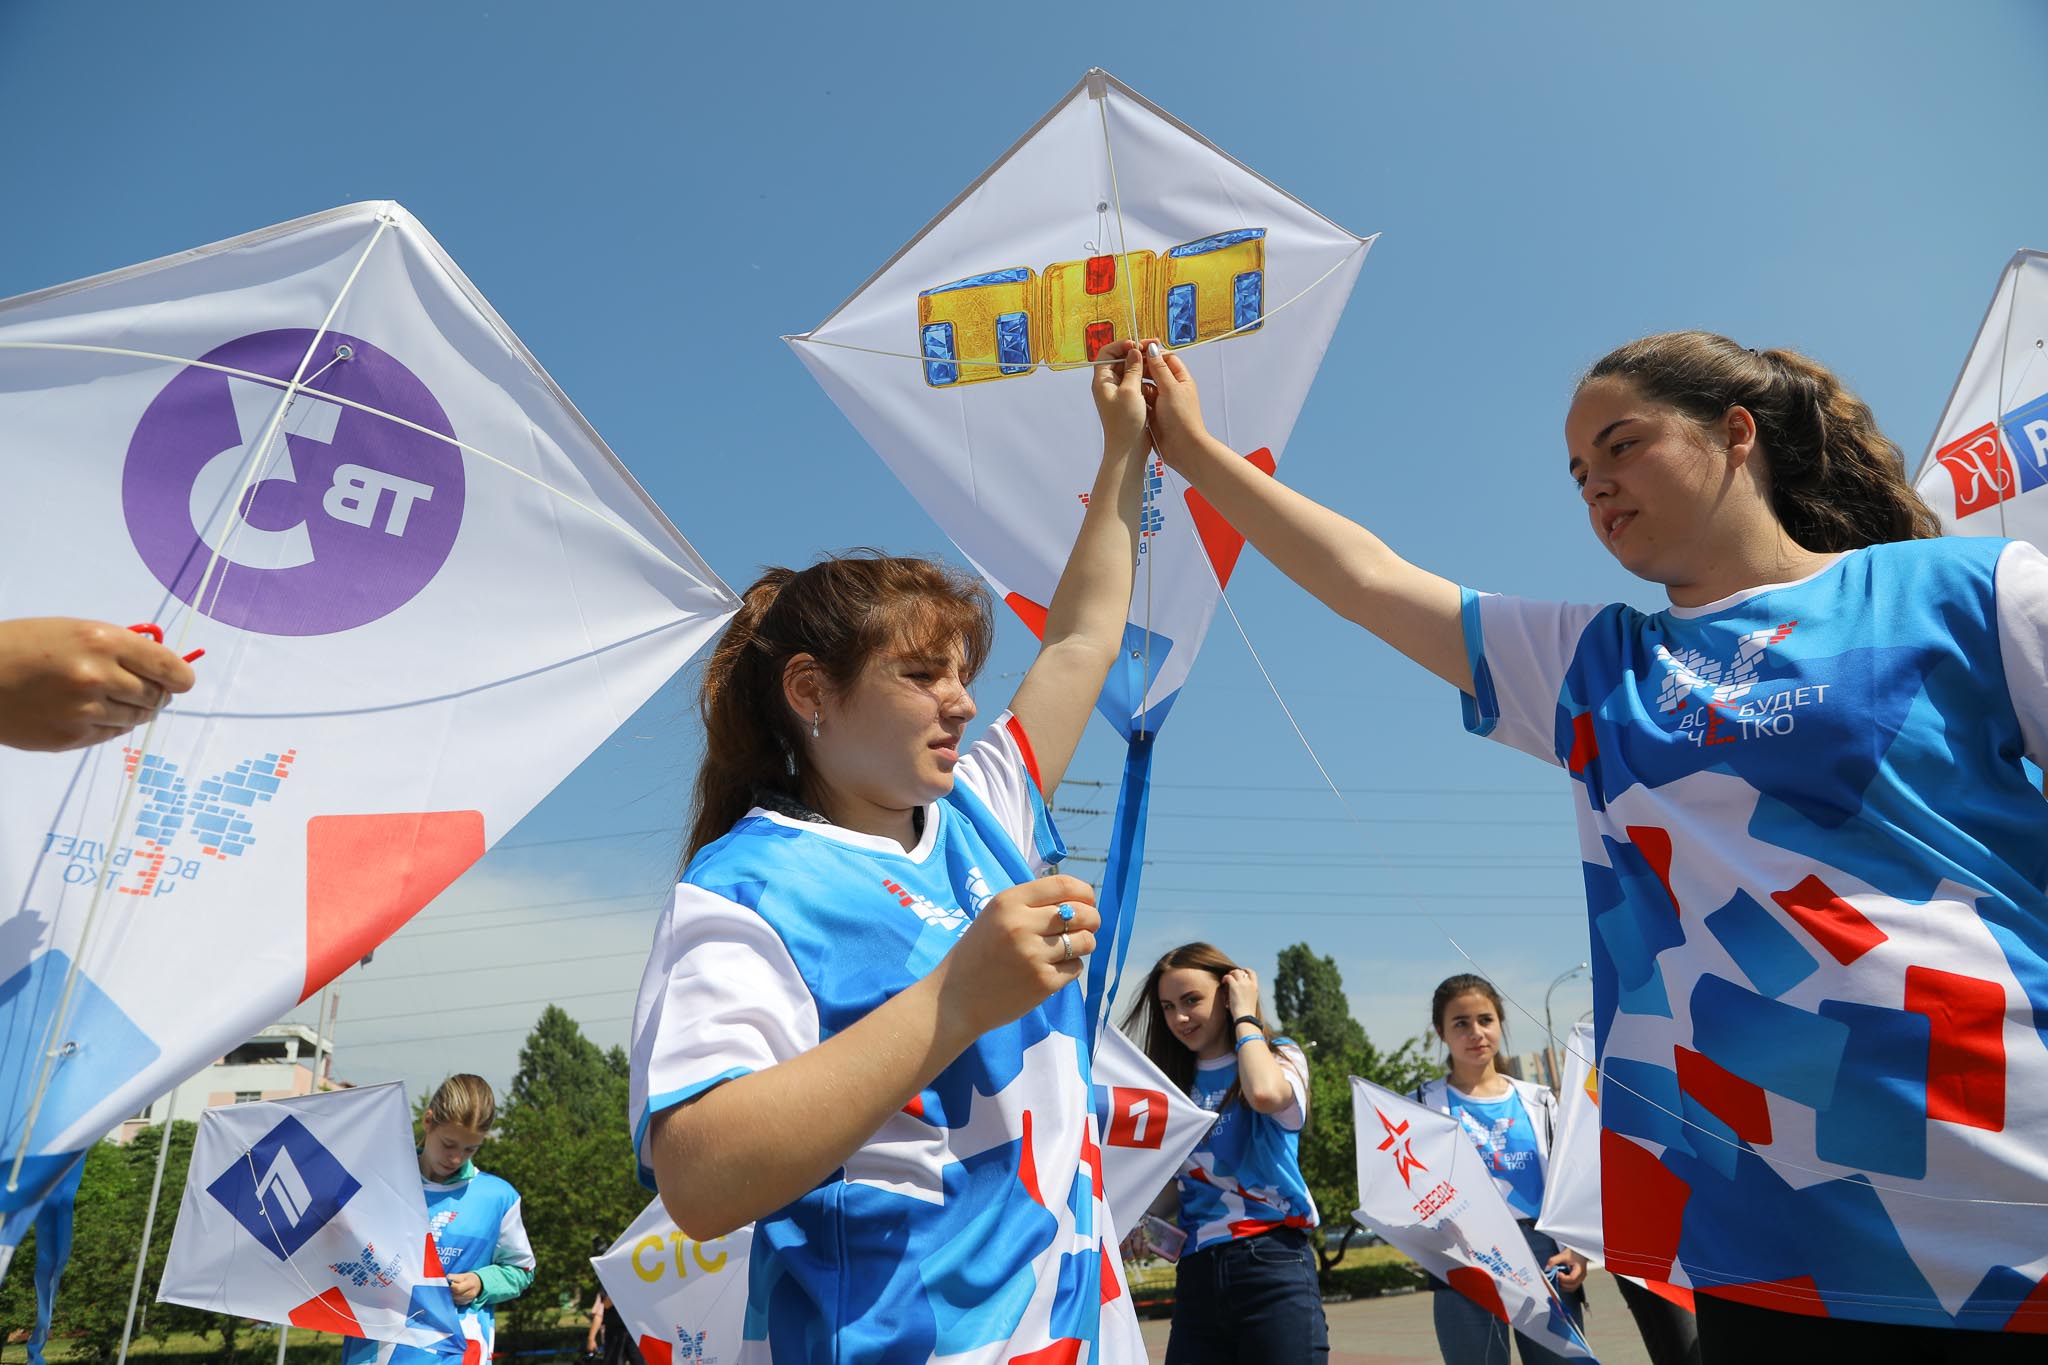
(1478,1286)
(1222,540)
(431,1265)
(366,875)
(657,1351)
(330,1312)
(1028,611)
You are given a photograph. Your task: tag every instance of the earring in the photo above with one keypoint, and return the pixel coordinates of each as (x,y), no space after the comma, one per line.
(814,725)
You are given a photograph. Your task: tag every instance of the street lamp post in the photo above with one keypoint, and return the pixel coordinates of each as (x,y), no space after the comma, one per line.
(1550,1034)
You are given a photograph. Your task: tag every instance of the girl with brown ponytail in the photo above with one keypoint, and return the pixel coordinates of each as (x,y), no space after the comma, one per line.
(1814,861)
(861,1027)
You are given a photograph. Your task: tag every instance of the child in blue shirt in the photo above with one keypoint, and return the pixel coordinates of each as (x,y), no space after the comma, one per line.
(474,1218)
(1245,1286)
(1511,1122)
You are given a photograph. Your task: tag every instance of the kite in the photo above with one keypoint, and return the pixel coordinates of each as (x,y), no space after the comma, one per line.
(425,589)
(1986,468)
(1571,1181)
(964,362)
(308,1211)
(1424,1187)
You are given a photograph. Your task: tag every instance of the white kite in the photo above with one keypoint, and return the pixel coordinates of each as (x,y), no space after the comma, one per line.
(964,362)
(425,588)
(1571,1180)
(308,1211)
(687,1301)
(1424,1187)
(1149,1127)
(683,1301)
(1986,469)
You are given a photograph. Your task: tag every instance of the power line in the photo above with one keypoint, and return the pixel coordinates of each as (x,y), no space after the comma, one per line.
(483,1032)
(494,1005)
(380,978)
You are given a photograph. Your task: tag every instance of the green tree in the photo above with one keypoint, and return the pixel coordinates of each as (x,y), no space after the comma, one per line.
(92,1298)
(562,1142)
(1308,995)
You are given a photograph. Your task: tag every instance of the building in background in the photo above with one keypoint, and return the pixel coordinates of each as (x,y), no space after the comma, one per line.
(274,1065)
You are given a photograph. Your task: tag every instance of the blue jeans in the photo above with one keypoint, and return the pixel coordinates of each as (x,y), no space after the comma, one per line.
(1469,1335)
(1249,1301)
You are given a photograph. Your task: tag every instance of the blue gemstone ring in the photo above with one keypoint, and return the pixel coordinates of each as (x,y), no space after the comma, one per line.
(1067,913)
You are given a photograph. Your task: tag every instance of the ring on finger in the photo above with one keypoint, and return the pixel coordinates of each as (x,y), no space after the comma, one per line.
(1067,948)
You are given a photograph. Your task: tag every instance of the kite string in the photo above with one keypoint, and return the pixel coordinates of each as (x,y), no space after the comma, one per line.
(2012,304)
(1145,482)
(259,457)
(1360,831)
(60,1018)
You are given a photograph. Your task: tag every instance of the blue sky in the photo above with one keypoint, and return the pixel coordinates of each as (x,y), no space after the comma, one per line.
(651,195)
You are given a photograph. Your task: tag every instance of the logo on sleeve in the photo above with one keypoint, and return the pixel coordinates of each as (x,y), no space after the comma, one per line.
(285,1188)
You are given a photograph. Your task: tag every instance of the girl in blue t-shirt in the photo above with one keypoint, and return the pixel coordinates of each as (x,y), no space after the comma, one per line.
(1245,1286)
(1511,1122)
(475,1220)
(1816,866)
(861,1027)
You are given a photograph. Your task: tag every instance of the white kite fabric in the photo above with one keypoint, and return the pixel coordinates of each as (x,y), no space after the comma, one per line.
(1986,470)
(686,1301)
(681,1300)
(1425,1188)
(308,1211)
(964,361)
(425,589)
(1571,1179)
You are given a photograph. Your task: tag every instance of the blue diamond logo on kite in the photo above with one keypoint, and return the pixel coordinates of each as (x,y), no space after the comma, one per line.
(285,1188)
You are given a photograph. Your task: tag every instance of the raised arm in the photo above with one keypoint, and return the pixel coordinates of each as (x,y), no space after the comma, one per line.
(1084,627)
(1347,567)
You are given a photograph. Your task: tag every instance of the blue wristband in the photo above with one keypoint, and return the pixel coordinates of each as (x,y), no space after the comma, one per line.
(1249,1038)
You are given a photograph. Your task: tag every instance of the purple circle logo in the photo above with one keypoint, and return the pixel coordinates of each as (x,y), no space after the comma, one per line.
(351,514)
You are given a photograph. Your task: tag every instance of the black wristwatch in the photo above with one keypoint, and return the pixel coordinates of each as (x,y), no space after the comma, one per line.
(1251,1019)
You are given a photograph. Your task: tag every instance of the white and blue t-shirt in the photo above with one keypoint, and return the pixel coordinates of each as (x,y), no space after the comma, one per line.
(972,1226)
(1244,1178)
(1814,868)
(475,1222)
(1505,1135)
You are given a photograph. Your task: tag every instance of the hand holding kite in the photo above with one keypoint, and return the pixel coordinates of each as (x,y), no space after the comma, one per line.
(1120,399)
(67,683)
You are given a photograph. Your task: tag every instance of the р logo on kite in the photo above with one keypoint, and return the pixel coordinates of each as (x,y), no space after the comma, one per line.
(285,1188)
(349,516)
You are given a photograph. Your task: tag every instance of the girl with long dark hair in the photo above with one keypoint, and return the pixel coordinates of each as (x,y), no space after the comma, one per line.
(1245,1285)
(1511,1122)
(860,1028)
(1814,862)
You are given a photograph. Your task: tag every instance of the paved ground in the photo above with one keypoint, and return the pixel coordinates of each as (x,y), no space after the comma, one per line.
(1396,1329)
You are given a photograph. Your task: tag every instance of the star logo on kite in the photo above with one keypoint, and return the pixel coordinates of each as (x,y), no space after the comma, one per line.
(1401,1145)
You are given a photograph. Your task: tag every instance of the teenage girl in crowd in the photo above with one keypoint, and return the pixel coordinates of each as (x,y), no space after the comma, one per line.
(1814,861)
(1512,1123)
(474,1219)
(1245,1286)
(859,1028)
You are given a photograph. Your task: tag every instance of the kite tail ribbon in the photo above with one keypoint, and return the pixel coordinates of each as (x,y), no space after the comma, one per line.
(1123,865)
(52,1222)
